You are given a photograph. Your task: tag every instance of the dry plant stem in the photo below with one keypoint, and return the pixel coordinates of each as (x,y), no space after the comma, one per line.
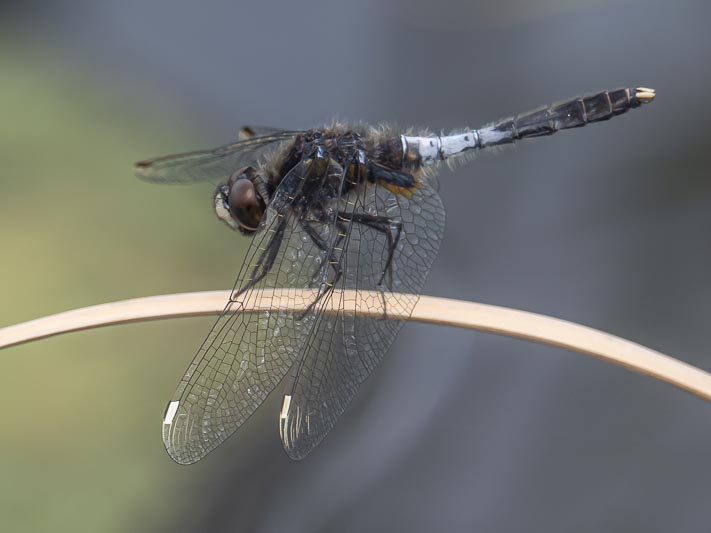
(431,310)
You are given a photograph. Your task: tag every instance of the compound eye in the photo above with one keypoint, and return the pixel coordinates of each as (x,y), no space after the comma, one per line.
(246,206)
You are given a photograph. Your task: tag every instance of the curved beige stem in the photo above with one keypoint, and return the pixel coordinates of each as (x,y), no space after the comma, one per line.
(431,310)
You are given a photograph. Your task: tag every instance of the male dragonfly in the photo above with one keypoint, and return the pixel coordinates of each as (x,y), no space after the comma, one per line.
(331,209)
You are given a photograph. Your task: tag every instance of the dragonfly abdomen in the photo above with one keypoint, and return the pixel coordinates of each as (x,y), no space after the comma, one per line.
(574,113)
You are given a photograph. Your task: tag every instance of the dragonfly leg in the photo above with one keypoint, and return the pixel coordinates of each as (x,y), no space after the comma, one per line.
(331,261)
(323,246)
(266,259)
(383,225)
(355,169)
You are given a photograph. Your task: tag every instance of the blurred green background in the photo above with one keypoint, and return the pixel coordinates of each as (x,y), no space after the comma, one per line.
(608,226)
(81,450)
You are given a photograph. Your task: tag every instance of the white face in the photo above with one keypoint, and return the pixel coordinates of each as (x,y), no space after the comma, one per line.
(238,203)
(222,209)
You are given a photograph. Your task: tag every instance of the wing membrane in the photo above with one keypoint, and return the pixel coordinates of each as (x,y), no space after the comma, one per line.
(345,347)
(209,165)
(245,355)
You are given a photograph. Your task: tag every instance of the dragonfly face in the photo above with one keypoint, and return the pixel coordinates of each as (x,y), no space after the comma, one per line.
(336,210)
(239,203)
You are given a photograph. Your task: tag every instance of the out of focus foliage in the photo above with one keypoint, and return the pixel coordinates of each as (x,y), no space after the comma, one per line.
(81,414)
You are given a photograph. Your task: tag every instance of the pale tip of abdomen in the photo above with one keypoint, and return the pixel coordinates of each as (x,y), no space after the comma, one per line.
(644,94)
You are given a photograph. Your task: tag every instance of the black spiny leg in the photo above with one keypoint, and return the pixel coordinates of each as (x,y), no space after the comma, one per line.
(266,259)
(396,182)
(330,261)
(382,225)
(322,245)
(319,167)
(353,172)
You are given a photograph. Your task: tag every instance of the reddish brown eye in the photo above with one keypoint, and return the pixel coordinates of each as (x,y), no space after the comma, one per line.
(246,206)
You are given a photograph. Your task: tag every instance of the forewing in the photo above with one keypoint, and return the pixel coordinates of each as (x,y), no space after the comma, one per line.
(245,355)
(346,347)
(251,132)
(209,165)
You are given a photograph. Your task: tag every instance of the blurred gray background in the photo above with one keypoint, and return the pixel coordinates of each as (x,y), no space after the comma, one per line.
(457,431)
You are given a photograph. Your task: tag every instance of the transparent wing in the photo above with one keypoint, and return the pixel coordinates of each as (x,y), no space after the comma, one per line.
(246,355)
(345,347)
(252,132)
(209,165)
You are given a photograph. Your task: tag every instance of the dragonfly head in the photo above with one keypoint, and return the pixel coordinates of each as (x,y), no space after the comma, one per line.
(238,202)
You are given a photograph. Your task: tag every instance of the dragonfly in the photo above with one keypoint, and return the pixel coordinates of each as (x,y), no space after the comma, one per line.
(336,210)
